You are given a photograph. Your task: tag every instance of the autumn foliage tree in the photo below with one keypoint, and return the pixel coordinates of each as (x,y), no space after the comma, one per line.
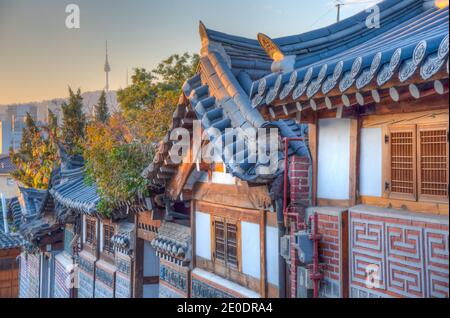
(74,123)
(118,150)
(101,109)
(37,155)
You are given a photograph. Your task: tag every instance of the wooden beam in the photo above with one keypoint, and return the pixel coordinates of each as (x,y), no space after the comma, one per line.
(262,240)
(355,126)
(193,231)
(313,147)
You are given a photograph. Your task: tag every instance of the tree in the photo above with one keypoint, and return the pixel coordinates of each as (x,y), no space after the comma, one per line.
(74,122)
(116,152)
(36,157)
(101,109)
(176,69)
(114,162)
(140,93)
(53,123)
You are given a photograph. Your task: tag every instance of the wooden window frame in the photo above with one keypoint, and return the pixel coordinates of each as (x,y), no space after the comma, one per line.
(398,195)
(108,246)
(91,240)
(226,261)
(430,127)
(417,195)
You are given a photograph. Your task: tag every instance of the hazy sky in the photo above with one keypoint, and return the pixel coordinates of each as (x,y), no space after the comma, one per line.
(40,57)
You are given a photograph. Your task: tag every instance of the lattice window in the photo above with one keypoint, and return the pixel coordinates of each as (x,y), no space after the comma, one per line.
(403,161)
(91,231)
(220,240)
(108,232)
(226,242)
(419,162)
(232,244)
(433,161)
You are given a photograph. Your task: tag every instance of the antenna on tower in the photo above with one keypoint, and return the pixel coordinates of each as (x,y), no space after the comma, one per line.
(107,68)
(339,4)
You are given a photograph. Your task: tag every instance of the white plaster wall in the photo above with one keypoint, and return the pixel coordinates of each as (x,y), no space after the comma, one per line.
(272,255)
(370,182)
(251,251)
(333,159)
(151,261)
(203,235)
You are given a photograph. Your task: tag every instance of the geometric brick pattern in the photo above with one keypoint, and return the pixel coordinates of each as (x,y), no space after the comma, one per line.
(29,275)
(62,280)
(85,285)
(411,257)
(123,286)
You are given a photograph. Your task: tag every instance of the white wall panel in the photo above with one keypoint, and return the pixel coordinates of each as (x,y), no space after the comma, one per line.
(203,235)
(371,162)
(272,255)
(251,249)
(333,159)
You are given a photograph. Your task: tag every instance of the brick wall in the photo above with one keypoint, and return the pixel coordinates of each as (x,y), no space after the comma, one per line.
(299,177)
(300,198)
(332,250)
(407,253)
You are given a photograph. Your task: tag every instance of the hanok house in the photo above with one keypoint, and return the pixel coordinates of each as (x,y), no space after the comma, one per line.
(363,113)
(219,234)
(102,248)
(71,251)
(10,244)
(49,256)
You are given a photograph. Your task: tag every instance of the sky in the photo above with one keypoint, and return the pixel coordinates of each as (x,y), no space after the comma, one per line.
(40,57)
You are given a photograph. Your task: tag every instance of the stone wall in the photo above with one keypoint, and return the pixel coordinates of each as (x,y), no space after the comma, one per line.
(173,280)
(86,272)
(63,275)
(29,275)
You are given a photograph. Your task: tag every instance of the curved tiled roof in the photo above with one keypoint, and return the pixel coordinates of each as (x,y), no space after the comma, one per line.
(410,45)
(10,240)
(226,111)
(338,65)
(414,42)
(74,193)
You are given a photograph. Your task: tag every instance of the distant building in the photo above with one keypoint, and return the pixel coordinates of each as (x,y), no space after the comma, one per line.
(12,120)
(8,185)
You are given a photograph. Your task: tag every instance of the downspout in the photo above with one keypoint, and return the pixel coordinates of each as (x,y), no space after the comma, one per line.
(297,223)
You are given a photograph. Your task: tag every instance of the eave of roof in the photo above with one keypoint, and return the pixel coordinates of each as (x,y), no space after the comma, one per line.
(418,46)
